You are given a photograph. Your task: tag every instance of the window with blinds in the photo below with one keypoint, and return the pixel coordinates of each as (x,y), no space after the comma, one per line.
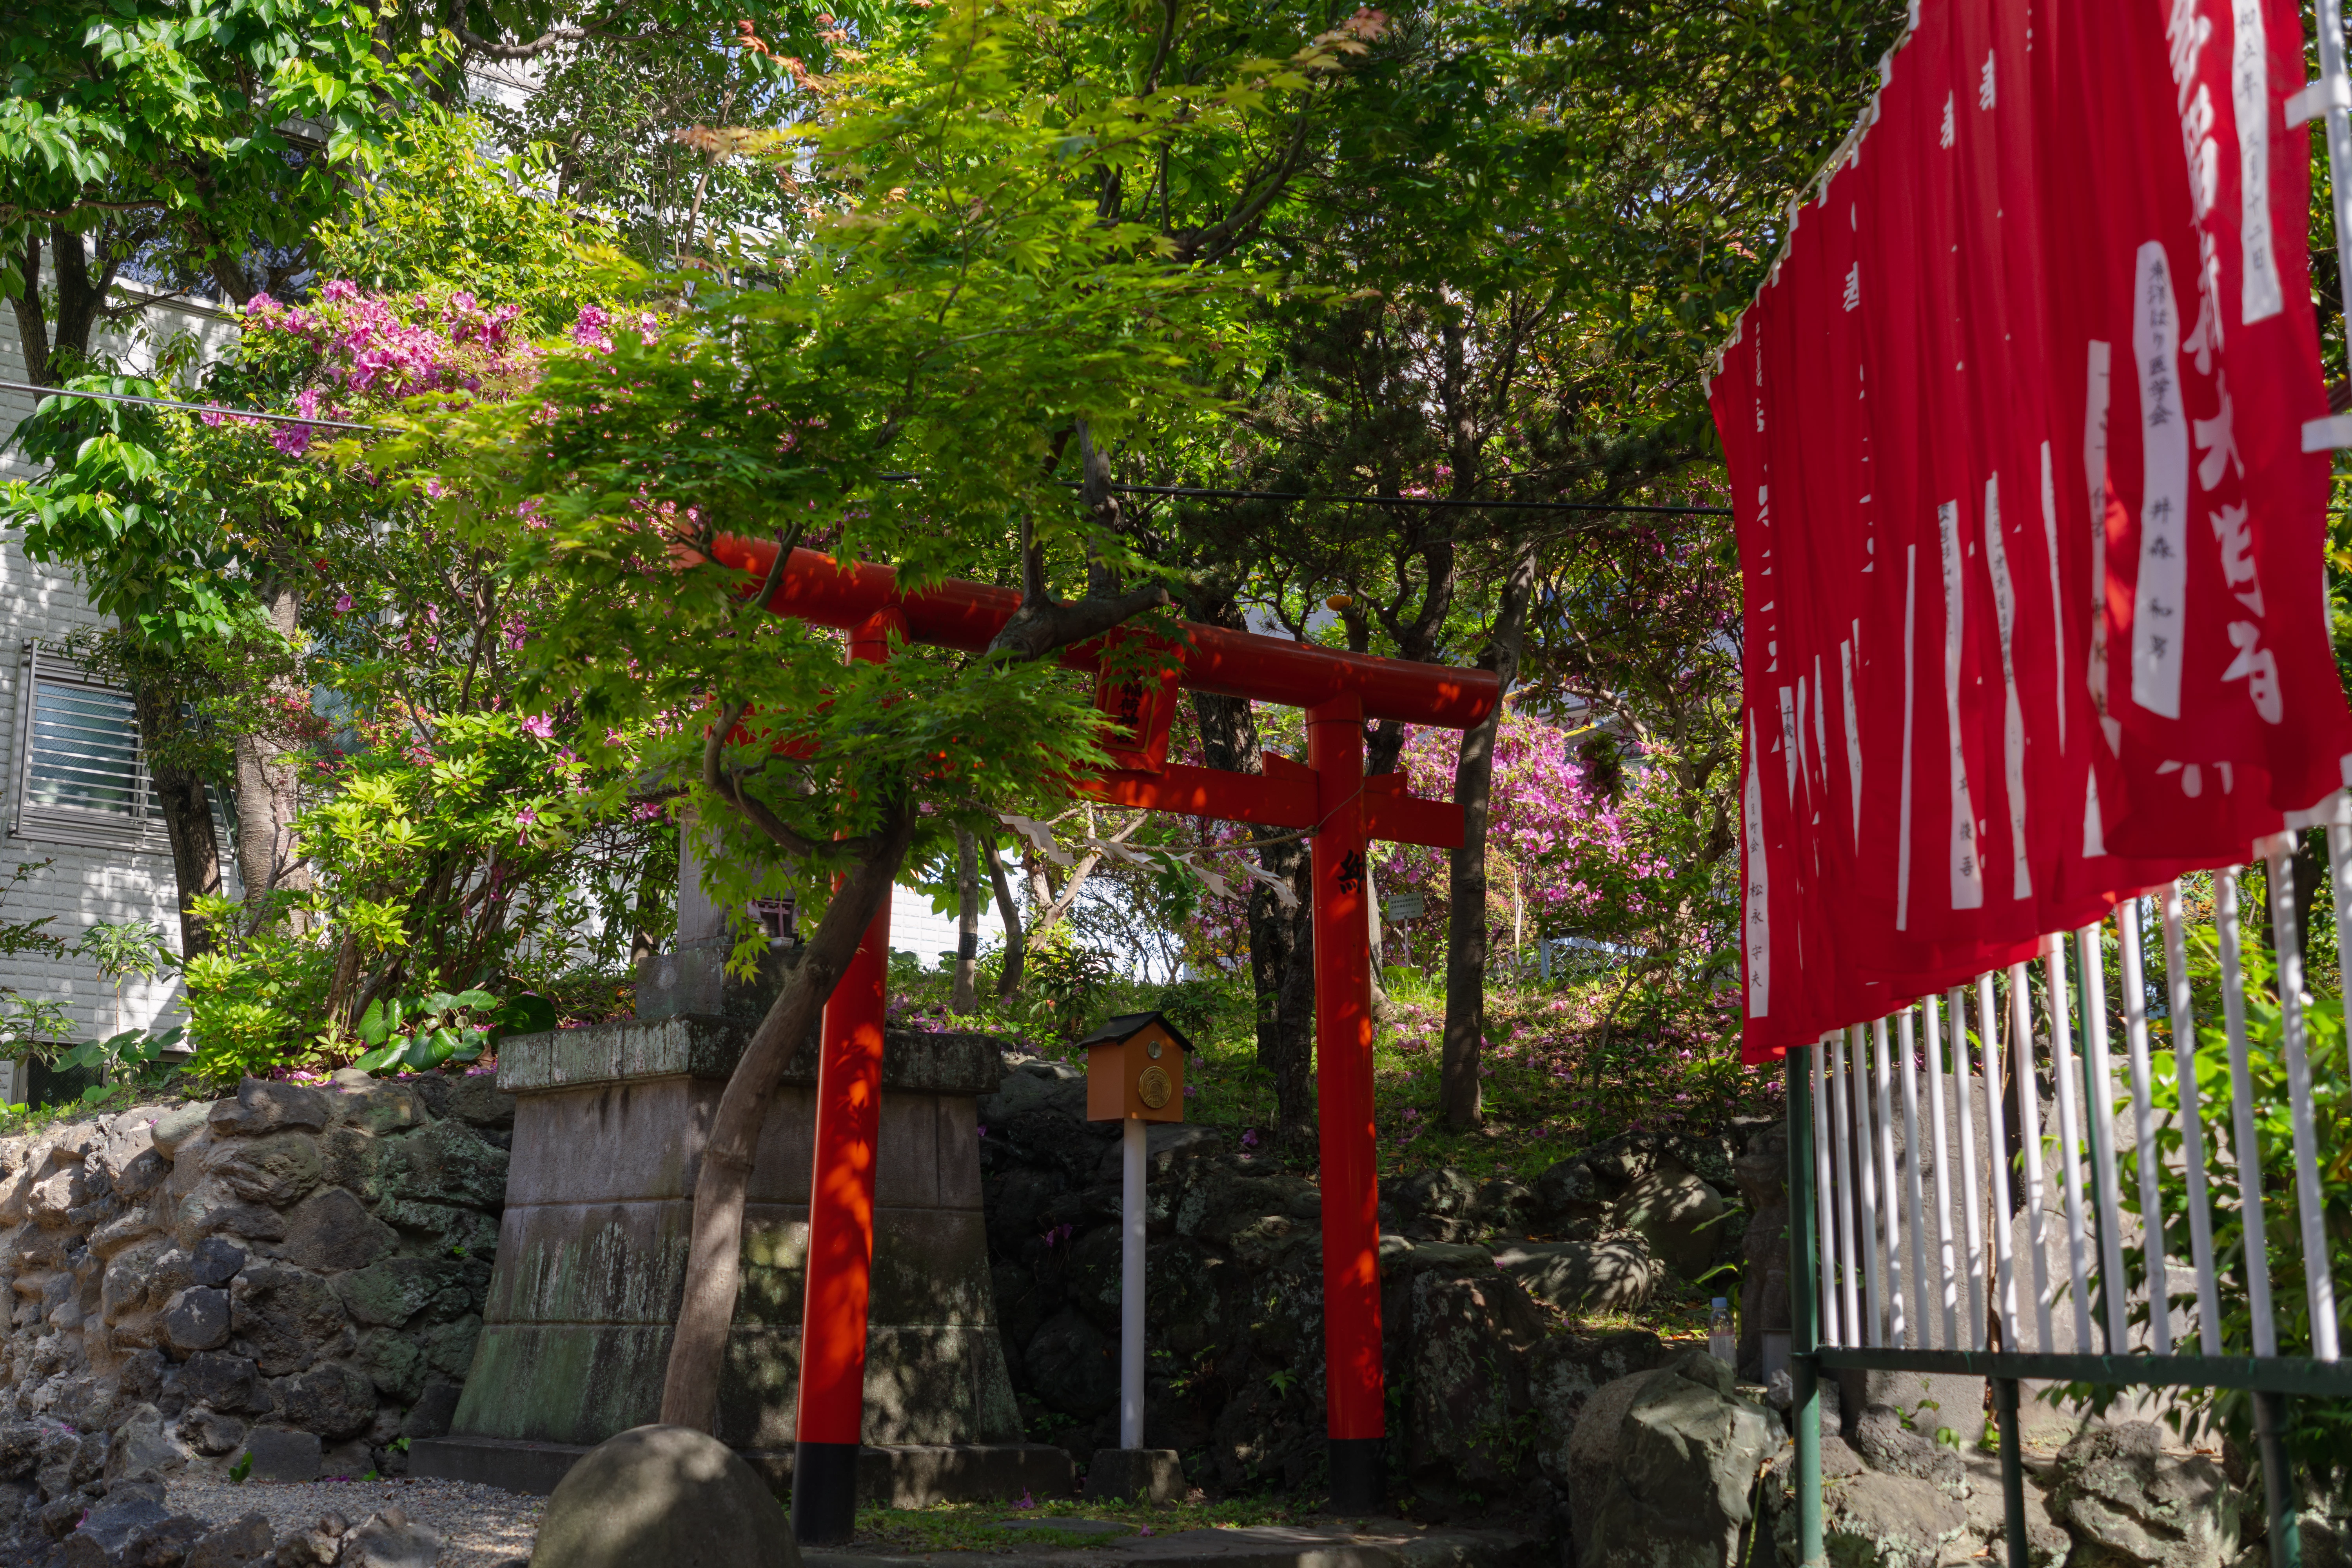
(80,778)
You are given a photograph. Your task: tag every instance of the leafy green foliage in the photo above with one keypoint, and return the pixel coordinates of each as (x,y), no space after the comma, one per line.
(1070,984)
(234,121)
(126,1055)
(962,310)
(29,1025)
(442,216)
(421,1033)
(439,862)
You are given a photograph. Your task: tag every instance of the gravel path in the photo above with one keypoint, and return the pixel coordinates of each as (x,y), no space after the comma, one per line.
(484,1527)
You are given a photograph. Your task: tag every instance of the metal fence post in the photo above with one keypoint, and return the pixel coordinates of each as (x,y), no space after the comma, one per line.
(1804,1319)
(2278,1480)
(2012,1473)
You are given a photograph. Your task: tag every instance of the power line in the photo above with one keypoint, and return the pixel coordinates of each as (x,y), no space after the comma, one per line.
(1204,492)
(1215,493)
(193,408)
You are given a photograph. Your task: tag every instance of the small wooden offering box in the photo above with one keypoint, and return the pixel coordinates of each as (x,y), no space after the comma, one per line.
(1135,1068)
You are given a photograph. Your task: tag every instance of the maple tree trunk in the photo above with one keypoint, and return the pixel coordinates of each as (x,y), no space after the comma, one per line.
(963,997)
(715,1254)
(1282,942)
(185,806)
(267,786)
(1466,922)
(1016,946)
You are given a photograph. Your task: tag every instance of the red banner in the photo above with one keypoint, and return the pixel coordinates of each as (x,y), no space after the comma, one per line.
(2034,561)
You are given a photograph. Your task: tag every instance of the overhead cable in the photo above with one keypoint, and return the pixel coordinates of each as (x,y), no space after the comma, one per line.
(1205,493)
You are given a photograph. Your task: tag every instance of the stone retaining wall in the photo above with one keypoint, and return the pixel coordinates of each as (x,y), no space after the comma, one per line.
(299,1270)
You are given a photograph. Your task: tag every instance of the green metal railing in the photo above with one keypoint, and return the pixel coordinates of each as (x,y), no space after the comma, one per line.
(1882,1278)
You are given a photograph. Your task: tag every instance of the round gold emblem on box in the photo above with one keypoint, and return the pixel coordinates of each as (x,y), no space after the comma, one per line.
(1153,1088)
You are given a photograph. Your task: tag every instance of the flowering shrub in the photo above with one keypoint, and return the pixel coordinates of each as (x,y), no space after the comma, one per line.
(445,863)
(1558,849)
(451,841)
(351,354)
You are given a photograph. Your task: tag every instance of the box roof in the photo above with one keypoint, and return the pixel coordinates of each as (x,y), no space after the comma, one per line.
(1118,1031)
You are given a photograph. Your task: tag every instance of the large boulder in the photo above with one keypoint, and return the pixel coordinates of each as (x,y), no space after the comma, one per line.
(1467,1384)
(1564,1372)
(335,1401)
(276,1171)
(1437,1204)
(1879,1520)
(1678,1214)
(1055,1088)
(1615,1272)
(280,1457)
(667,1495)
(1661,1467)
(247,1540)
(104,1538)
(1570,1196)
(2046,1545)
(331,1233)
(447,1162)
(2129,1504)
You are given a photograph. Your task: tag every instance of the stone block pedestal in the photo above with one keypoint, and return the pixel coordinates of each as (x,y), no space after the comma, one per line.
(609,1127)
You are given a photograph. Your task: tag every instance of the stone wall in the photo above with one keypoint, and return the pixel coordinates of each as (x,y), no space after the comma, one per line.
(1484,1386)
(299,1270)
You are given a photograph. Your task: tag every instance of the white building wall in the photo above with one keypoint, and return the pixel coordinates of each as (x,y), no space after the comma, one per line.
(915,929)
(78,887)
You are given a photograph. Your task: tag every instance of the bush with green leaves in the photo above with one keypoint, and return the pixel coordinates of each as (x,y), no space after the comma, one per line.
(460,862)
(424,1033)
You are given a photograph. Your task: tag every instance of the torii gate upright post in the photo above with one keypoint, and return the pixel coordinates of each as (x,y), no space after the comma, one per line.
(841,1213)
(1352,1389)
(1330,799)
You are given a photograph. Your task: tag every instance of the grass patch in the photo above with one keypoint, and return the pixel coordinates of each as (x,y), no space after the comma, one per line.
(976,1526)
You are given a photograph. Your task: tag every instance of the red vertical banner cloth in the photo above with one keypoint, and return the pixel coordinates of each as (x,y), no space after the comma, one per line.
(2034,560)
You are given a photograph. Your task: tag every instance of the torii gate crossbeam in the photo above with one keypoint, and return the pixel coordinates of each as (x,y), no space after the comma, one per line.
(1330,796)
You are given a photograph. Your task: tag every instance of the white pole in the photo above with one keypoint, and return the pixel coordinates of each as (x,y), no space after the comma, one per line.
(2099,1115)
(1943,1171)
(2193,1125)
(2145,1154)
(1866,1222)
(1971,1195)
(2331,97)
(2246,1152)
(1858,1334)
(2311,1198)
(1130,1290)
(2029,1143)
(1825,1196)
(2004,1280)
(2339,867)
(1890,1204)
(2069,1144)
(1915,1212)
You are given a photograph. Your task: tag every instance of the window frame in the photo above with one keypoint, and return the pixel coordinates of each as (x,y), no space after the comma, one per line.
(141,832)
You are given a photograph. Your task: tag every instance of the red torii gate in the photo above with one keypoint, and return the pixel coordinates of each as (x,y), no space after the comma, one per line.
(1330,795)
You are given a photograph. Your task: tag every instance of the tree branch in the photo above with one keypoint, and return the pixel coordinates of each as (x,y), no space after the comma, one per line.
(728,786)
(476,44)
(1040,626)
